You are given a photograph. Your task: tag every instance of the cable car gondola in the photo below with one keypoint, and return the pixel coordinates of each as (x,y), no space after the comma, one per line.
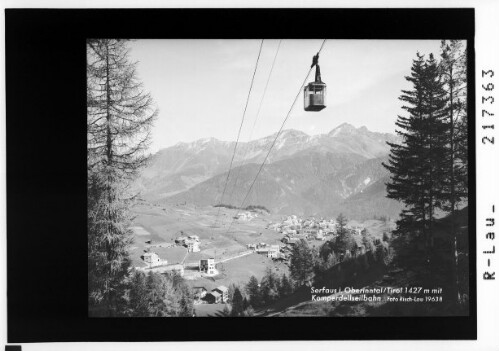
(315,92)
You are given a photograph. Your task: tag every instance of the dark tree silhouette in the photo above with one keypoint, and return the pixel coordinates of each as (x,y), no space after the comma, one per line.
(453,70)
(416,167)
(253,291)
(302,262)
(237,304)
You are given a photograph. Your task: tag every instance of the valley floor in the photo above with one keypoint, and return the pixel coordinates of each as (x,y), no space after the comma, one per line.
(157,226)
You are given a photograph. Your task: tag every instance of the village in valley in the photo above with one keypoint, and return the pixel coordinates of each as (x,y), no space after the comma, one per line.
(184,241)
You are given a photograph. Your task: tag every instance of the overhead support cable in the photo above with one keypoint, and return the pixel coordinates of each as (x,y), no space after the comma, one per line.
(239,132)
(277,136)
(243,160)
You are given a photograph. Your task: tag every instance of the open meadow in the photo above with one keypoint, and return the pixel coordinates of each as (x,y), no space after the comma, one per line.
(156,227)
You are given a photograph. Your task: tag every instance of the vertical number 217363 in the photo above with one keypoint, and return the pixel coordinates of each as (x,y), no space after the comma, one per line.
(487,105)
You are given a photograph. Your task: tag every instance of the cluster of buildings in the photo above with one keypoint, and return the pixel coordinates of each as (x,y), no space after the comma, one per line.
(293,225)
(245,216)
(294,229)
(272,251)
(191,242)
(218,295)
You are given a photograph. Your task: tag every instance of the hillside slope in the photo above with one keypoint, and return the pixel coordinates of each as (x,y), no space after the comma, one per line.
(310,183)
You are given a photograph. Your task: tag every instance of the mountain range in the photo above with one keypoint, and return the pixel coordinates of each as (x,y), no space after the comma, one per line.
(323,174)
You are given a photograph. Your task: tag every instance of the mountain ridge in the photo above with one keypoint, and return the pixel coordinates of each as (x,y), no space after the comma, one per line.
(302,174)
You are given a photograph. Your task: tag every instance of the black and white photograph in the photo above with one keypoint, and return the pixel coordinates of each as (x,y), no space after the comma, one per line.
(176,174)
(277,178)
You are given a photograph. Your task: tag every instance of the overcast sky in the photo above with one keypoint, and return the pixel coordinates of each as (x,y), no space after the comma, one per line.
(200,86)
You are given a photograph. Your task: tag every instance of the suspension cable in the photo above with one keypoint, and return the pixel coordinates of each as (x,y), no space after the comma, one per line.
(276,137)
(243,160)
(239,132)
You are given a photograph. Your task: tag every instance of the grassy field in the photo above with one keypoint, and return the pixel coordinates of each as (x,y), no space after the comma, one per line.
(163,224)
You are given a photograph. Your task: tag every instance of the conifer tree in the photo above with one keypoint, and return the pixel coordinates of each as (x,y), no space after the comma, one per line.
(237,304)
(226,311)
(186,299)
(417,171)
(285,287)
(269,287)
(119,117)
(344,238)
(138,303)
(453,71)
(436,147)
(155,285)
(302,262)
(249,312)
(342,222)
(380,252)
(246,303)
(158,295)
(405,158)
(253,290)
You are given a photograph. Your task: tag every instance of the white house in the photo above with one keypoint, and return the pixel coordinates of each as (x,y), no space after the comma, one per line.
(192,245)
(273,251)
(269,250)
(152,259)
(207,266)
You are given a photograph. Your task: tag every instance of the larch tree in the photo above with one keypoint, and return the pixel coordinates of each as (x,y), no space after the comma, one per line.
(119,117)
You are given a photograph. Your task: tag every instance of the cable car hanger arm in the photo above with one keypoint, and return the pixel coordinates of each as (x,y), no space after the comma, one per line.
(315,62)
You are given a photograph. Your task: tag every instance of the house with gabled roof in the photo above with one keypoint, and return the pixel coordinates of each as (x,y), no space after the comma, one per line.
(152,259)
(223,291)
